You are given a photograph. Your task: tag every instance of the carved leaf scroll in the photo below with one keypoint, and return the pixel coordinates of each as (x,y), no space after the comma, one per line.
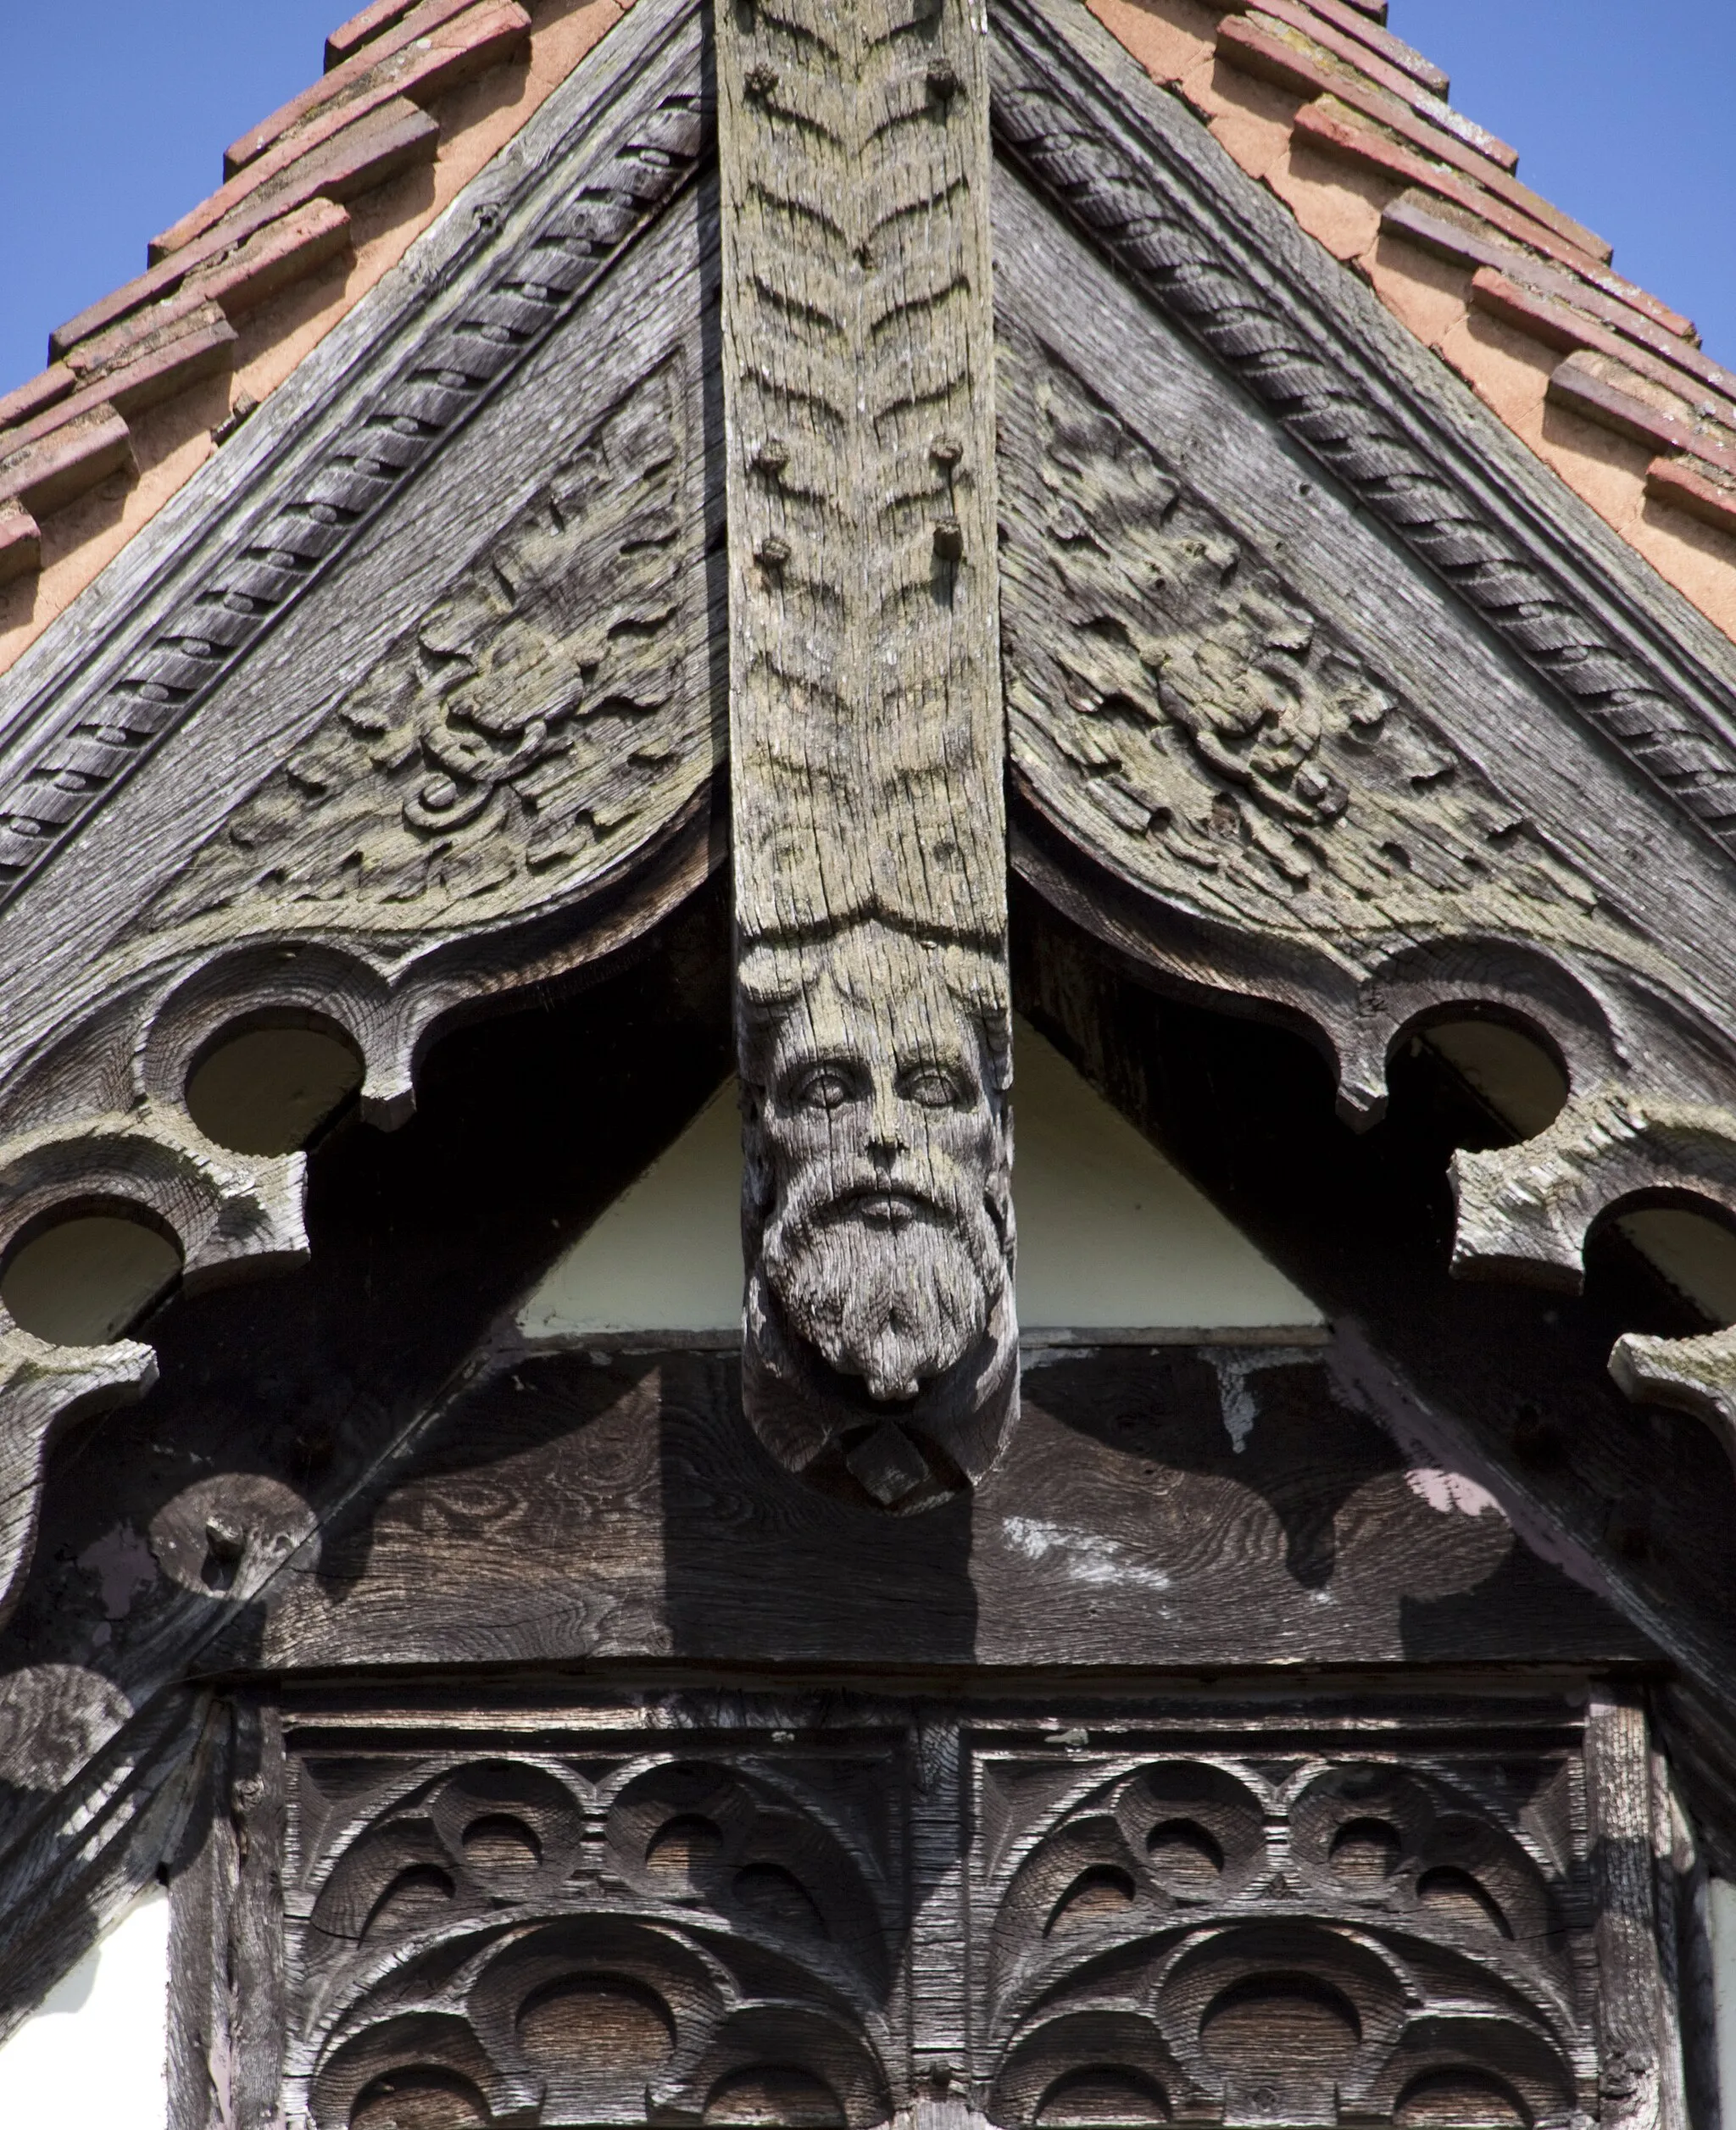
(542,718)
(1187,715)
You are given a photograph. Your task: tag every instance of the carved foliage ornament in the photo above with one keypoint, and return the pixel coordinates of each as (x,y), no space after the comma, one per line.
(537,722)
(1173,698)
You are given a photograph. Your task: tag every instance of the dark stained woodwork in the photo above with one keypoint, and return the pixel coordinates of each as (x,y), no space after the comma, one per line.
(766,1907)
(621,1510)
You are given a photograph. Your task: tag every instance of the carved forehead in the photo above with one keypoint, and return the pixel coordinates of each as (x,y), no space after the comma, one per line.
(825,993)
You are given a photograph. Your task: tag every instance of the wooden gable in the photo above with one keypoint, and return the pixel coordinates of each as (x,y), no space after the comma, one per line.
(848,526)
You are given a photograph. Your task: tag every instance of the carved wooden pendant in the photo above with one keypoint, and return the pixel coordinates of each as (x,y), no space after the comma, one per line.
(867,742)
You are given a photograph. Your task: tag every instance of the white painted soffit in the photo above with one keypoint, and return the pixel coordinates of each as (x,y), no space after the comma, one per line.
(1113,1239)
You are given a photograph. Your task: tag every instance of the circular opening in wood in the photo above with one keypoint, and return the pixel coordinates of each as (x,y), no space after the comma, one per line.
(1185,1857)
(1510,1071)
(88,1276)
(1366,1852)
(267,1090)
(419,2098)
(1684,1252)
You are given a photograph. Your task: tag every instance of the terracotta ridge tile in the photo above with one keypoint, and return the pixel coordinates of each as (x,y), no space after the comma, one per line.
(1563,325)
(1342,131)
(156,373)
(1464,234)
(1624,405)
(361,29)
(1242,43)
(1691,486)
(487,32)
(426,16)
(35,393)
(57,468)
(294,246)
(141,334)
(362,156)
(1302,15)
(1405,57)
(20,542)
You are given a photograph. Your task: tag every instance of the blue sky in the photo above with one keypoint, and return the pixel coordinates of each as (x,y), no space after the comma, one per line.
(114,116)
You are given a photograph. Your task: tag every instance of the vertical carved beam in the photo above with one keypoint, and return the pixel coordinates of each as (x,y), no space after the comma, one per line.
(866,736)
(1640,2082)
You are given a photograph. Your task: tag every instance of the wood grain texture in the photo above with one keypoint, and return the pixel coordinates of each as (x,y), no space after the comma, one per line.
(621,1510)
(1259,750)
(867,744)
(1640,2078)
(581,1905)
(859,366)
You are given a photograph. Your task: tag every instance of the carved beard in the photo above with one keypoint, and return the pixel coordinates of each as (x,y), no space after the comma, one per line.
(888,1283)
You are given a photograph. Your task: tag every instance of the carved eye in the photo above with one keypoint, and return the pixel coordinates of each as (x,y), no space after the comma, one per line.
(823,1087)
(931,1087)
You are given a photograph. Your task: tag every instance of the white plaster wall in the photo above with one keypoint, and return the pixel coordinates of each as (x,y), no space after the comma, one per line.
(92,2056)
(1112,1237)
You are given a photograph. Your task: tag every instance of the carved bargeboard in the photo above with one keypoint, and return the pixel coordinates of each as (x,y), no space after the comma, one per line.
(758,1911)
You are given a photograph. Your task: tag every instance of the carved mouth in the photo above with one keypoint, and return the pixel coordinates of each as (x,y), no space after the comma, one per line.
(883,1206)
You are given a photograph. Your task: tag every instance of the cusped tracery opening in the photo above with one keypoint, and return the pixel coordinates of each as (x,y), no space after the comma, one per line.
(1186,1858)
(1510,1072)
(1366,1852)
(87,1276)
(1269,2025)
(1460,2099)
(1097,1895)
(596,2024)
(268,1089)
(1455,1897)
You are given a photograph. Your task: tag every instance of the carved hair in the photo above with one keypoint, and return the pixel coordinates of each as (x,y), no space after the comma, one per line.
(861,964)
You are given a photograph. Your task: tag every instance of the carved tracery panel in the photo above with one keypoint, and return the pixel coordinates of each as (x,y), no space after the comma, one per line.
(742,1910)
(622,1936)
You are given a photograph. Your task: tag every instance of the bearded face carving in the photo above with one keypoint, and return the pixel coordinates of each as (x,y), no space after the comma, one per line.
(881,1344)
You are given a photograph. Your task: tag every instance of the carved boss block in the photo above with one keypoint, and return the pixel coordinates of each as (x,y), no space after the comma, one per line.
(882,1347)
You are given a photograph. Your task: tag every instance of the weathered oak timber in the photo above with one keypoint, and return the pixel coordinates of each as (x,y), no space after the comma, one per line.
(1239,703)
(428,707)
(845,1909)
(866,739)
